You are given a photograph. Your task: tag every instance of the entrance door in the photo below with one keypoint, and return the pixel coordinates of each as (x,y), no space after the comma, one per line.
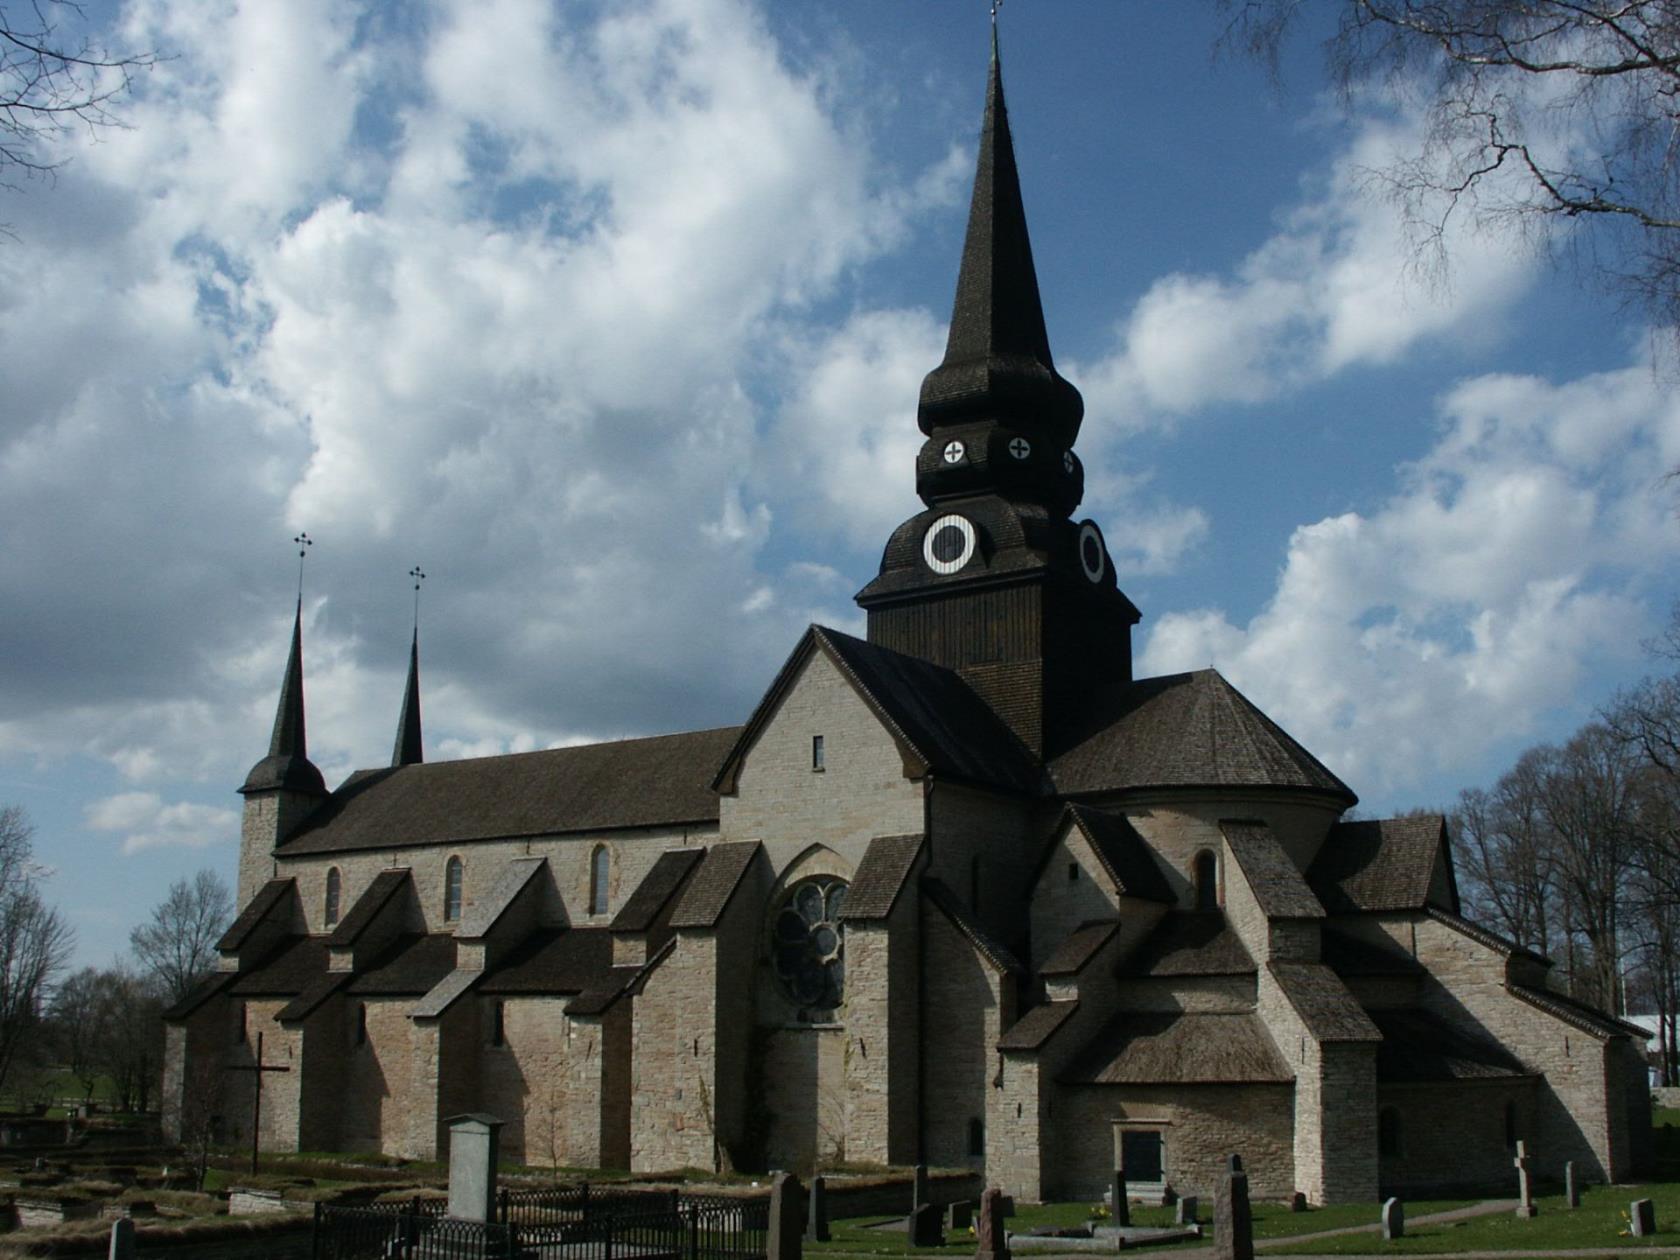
(1140,1156)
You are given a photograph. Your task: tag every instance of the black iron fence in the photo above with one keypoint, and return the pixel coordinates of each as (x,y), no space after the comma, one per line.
(562,1223)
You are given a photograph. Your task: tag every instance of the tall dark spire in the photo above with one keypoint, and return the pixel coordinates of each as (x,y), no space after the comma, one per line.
(287,764)
(408,750)
(998,378)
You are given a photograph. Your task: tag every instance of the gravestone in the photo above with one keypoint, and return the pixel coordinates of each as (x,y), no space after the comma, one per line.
(926,1226)
(1393,1220)
(1233,1222)
(1571,1187)
(816,1221)
(474,1147)
(961,1215)
(1642,1217)
(1298,1202)
(1006,1205)
(994,1243)
(1122,1207)
(787,1219)
(1525,1182)
(919,1187)
(122,1240)
(1185,1212)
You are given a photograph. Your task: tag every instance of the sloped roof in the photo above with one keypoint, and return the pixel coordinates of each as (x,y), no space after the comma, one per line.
(663,780)
(933,714)
(199,994)
(989,948)
(1124,853)
(1037,1026)
(1187,730)
(1588,1019)
(314,993)
(1377,865)
(568,960)
(368,906)
(1179,1048)
(1080,946)
(881,876)
(710,888)
(658,886)
(298,962)
(255,911)
(1486,936)
(1323,1002)
(410,966)
(1273,879)
(1418,1045)
(1189,943)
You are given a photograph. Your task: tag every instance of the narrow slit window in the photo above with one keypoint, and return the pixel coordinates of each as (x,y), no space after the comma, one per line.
(1207,881)
(817,752)
(1073,872)
(329,913)
(498,1024)
(361,1023)
(452,875)
(600,869)
(977,1138)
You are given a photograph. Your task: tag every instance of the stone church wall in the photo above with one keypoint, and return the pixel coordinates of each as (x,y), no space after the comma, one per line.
(961,1011)
(1060,904)
(985,838)
(1453,1136)
(1200,1126)
(374,1090)
(1181,827)
(671,1098)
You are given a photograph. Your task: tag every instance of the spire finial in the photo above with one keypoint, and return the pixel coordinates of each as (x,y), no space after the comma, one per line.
(419,576)
(304,543)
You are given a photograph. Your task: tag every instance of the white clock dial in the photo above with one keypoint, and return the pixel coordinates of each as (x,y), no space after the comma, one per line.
(1092,557)
(1019,447)
(954,451)
(949,543)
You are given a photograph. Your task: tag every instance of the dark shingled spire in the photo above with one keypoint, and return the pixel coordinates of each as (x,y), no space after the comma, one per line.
(287,764)
(997,361)
(408,750)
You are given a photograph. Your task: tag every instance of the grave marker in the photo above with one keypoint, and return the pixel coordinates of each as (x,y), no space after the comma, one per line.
(961,1215)
(816,1221)
(258,1070)
(919,1187)
(1642,1216)
(1571,1187)
(1233,1221)
(787,1219)
(1393,1220)
(1122,1207)
(474,1147)
(1185,1212)
(926,1226)
(122,1240)
(994,1243)
(1525,1184)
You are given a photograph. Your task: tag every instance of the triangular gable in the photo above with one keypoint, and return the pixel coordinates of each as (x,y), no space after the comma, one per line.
(1119,847)
(937,721)
(1385,865)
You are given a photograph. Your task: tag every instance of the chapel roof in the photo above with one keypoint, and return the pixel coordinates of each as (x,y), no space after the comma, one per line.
(1186,730)
(564,960)
(658,886)
(1190,943)
(1374,865)
(881,876)
(1272,877)
(661,780)
(287,972)
(1179,1048)
(410,966)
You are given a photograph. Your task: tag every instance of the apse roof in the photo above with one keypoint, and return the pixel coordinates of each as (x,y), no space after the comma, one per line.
(662,780)
(1187,730)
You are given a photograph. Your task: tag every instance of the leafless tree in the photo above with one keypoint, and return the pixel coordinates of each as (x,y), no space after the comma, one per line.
(53,78)
(35,941)
(106,1022)
(178,944)
(1550,114)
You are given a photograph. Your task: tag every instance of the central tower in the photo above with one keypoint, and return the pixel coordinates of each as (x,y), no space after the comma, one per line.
(995,579)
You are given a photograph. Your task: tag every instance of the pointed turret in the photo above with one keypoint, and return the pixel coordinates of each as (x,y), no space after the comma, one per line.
(408,750)
(997,414)
(287,764)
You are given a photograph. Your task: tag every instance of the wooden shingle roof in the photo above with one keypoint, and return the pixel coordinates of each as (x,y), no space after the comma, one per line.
(1274,880)
(1323,1002)
(1418,1045)
(663,780)
(1188,943)
(256,910)
(1179,1048)
(410,966)
(368,906)
(1037,1026)
(881,876)
(1080,946)
(1124,853)
(568,960)
(1375,865)
(290,970)
(713,884)
(1188,730)
(658,886)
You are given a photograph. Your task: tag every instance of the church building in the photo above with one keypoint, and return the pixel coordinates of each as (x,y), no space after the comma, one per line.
(964,892)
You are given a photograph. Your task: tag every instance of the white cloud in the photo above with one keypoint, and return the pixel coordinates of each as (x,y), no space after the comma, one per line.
(147,823)
(1510,559)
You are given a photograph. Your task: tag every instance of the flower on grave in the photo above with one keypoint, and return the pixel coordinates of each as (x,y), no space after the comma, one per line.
(1099,1212)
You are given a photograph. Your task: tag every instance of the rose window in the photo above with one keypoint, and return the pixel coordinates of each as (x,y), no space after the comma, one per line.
(807,944)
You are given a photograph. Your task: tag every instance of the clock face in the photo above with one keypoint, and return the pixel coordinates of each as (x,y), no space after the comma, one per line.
(1019,447)
(1092,558)
(949,543)
(954,451)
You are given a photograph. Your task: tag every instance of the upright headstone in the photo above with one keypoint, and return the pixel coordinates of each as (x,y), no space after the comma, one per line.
(1185,1212)
(1122,1207)
(122,1240)
(1642,1216)
(919,1187)
(1571,1187)
(787,1219)
(1525,1183)
(1233,1222)
(1393,1220)
(926,1226)
(1298,1202)
(994,1243)
(961,1215)
(816,1221)
(474,1150)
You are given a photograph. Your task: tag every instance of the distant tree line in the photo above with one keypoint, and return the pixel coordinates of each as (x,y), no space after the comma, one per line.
(95,1024)
(1575,852)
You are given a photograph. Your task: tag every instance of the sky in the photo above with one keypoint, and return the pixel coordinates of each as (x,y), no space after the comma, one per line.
(611,316)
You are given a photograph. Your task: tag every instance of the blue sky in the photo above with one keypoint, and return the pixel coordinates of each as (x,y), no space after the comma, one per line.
(612,316)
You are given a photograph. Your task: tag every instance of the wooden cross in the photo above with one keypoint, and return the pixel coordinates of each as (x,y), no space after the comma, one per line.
(257,1069)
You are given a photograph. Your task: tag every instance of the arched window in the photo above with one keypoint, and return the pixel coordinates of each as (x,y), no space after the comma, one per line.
(329,913)
(1207,881)
(807,944)
(1388,1132)
(600,867)
(452,873)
